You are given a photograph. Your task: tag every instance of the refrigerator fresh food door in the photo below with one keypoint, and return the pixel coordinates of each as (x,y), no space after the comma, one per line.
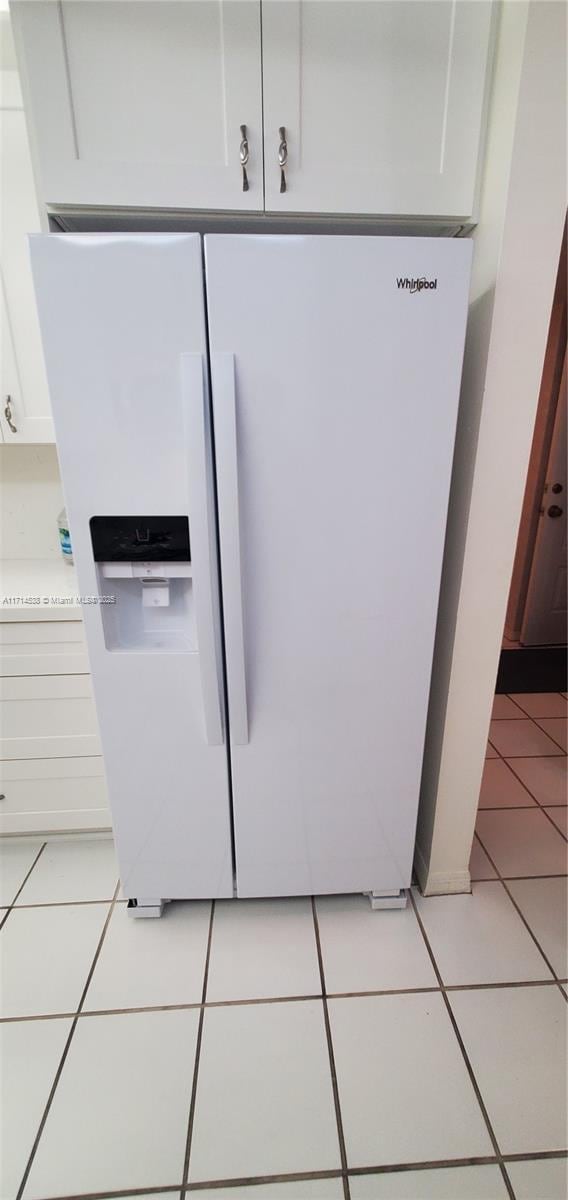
(123,327)
(335,368)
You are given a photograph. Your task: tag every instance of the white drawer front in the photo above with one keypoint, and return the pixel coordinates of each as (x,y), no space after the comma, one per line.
(41,631)
(43,648)
(53,794)
(47,716)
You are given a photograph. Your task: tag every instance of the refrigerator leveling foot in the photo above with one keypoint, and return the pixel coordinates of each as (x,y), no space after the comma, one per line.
(146,907)
(387,899)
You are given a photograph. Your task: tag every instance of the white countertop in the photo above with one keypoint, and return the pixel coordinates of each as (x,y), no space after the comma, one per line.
(38,589)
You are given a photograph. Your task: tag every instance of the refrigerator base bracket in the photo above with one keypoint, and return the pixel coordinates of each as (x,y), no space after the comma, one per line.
(387,899)
(145,907)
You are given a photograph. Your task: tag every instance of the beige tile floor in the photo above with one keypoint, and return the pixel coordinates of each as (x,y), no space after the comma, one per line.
(297,1050)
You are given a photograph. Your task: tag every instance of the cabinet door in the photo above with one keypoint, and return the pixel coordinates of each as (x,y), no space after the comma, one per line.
(22,373)
(382,104)
(141,103)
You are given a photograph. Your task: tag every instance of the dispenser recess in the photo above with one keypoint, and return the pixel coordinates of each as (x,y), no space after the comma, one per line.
(149,604)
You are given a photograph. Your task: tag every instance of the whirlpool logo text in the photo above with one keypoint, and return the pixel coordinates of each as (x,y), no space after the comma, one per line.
(416,285)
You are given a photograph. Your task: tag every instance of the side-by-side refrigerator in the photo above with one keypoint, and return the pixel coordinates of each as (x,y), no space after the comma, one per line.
(255,436)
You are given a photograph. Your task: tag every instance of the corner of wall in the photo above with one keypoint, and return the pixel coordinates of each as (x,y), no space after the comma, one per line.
(447,812)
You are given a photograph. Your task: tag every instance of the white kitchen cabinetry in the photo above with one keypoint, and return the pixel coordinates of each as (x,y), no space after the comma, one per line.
(382,103)
(23,380)
(141,104)
(54,795)
(47,716)
(51,769)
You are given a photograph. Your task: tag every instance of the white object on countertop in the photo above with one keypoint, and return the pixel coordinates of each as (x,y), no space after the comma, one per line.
(65,536)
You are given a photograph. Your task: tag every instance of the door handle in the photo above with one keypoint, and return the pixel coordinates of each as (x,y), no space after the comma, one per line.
(202,539)
(555,510)
(226,455)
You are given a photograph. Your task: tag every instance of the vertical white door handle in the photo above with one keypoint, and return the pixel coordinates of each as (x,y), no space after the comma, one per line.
(202,540)
(226,455)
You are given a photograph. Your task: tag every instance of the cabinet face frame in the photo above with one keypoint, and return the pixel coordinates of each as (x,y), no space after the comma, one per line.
(48,36)
(24,388)
(338,181)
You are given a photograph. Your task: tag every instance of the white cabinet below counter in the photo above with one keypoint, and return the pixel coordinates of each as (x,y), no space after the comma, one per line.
(63,795)
(47,716)
(51,769)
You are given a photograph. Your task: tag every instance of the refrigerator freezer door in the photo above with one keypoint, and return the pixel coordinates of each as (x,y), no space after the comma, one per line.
(123,326)
(334,430)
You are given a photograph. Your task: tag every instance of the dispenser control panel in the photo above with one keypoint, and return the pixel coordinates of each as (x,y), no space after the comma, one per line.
(140,539)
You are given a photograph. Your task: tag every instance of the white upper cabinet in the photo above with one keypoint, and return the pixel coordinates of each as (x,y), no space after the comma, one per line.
(382,103)
(141,103)
(25,412)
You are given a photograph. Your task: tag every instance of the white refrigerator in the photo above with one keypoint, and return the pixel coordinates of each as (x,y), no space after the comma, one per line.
(255,436)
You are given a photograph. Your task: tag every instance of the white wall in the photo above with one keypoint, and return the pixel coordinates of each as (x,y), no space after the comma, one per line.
(517,244)
(30,502)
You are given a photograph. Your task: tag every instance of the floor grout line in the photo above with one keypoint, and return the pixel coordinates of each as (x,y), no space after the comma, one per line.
(68,903)
(525,714)
(128,1193)
(507,807)
(519,780)
(553,823)
(332,1067)
(299,1176)
(465,1055)
(561,754)
(186,1187)
(487,879)
(66,1048)
(191,1006)
(193,1099)
(549,735)
(256,1180)
(443,1163)
(22,885)
(523,918)
(525,785)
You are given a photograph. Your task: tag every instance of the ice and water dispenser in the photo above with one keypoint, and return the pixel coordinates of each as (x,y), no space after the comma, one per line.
(145,564)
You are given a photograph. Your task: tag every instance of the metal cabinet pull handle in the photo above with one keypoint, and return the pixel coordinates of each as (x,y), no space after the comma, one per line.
(282,156)
(8,414)
(244,156)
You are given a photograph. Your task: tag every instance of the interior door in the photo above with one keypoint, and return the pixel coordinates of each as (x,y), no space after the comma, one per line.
(544,618)
(122,319)
(140,102)
(335,382)
(382,104)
